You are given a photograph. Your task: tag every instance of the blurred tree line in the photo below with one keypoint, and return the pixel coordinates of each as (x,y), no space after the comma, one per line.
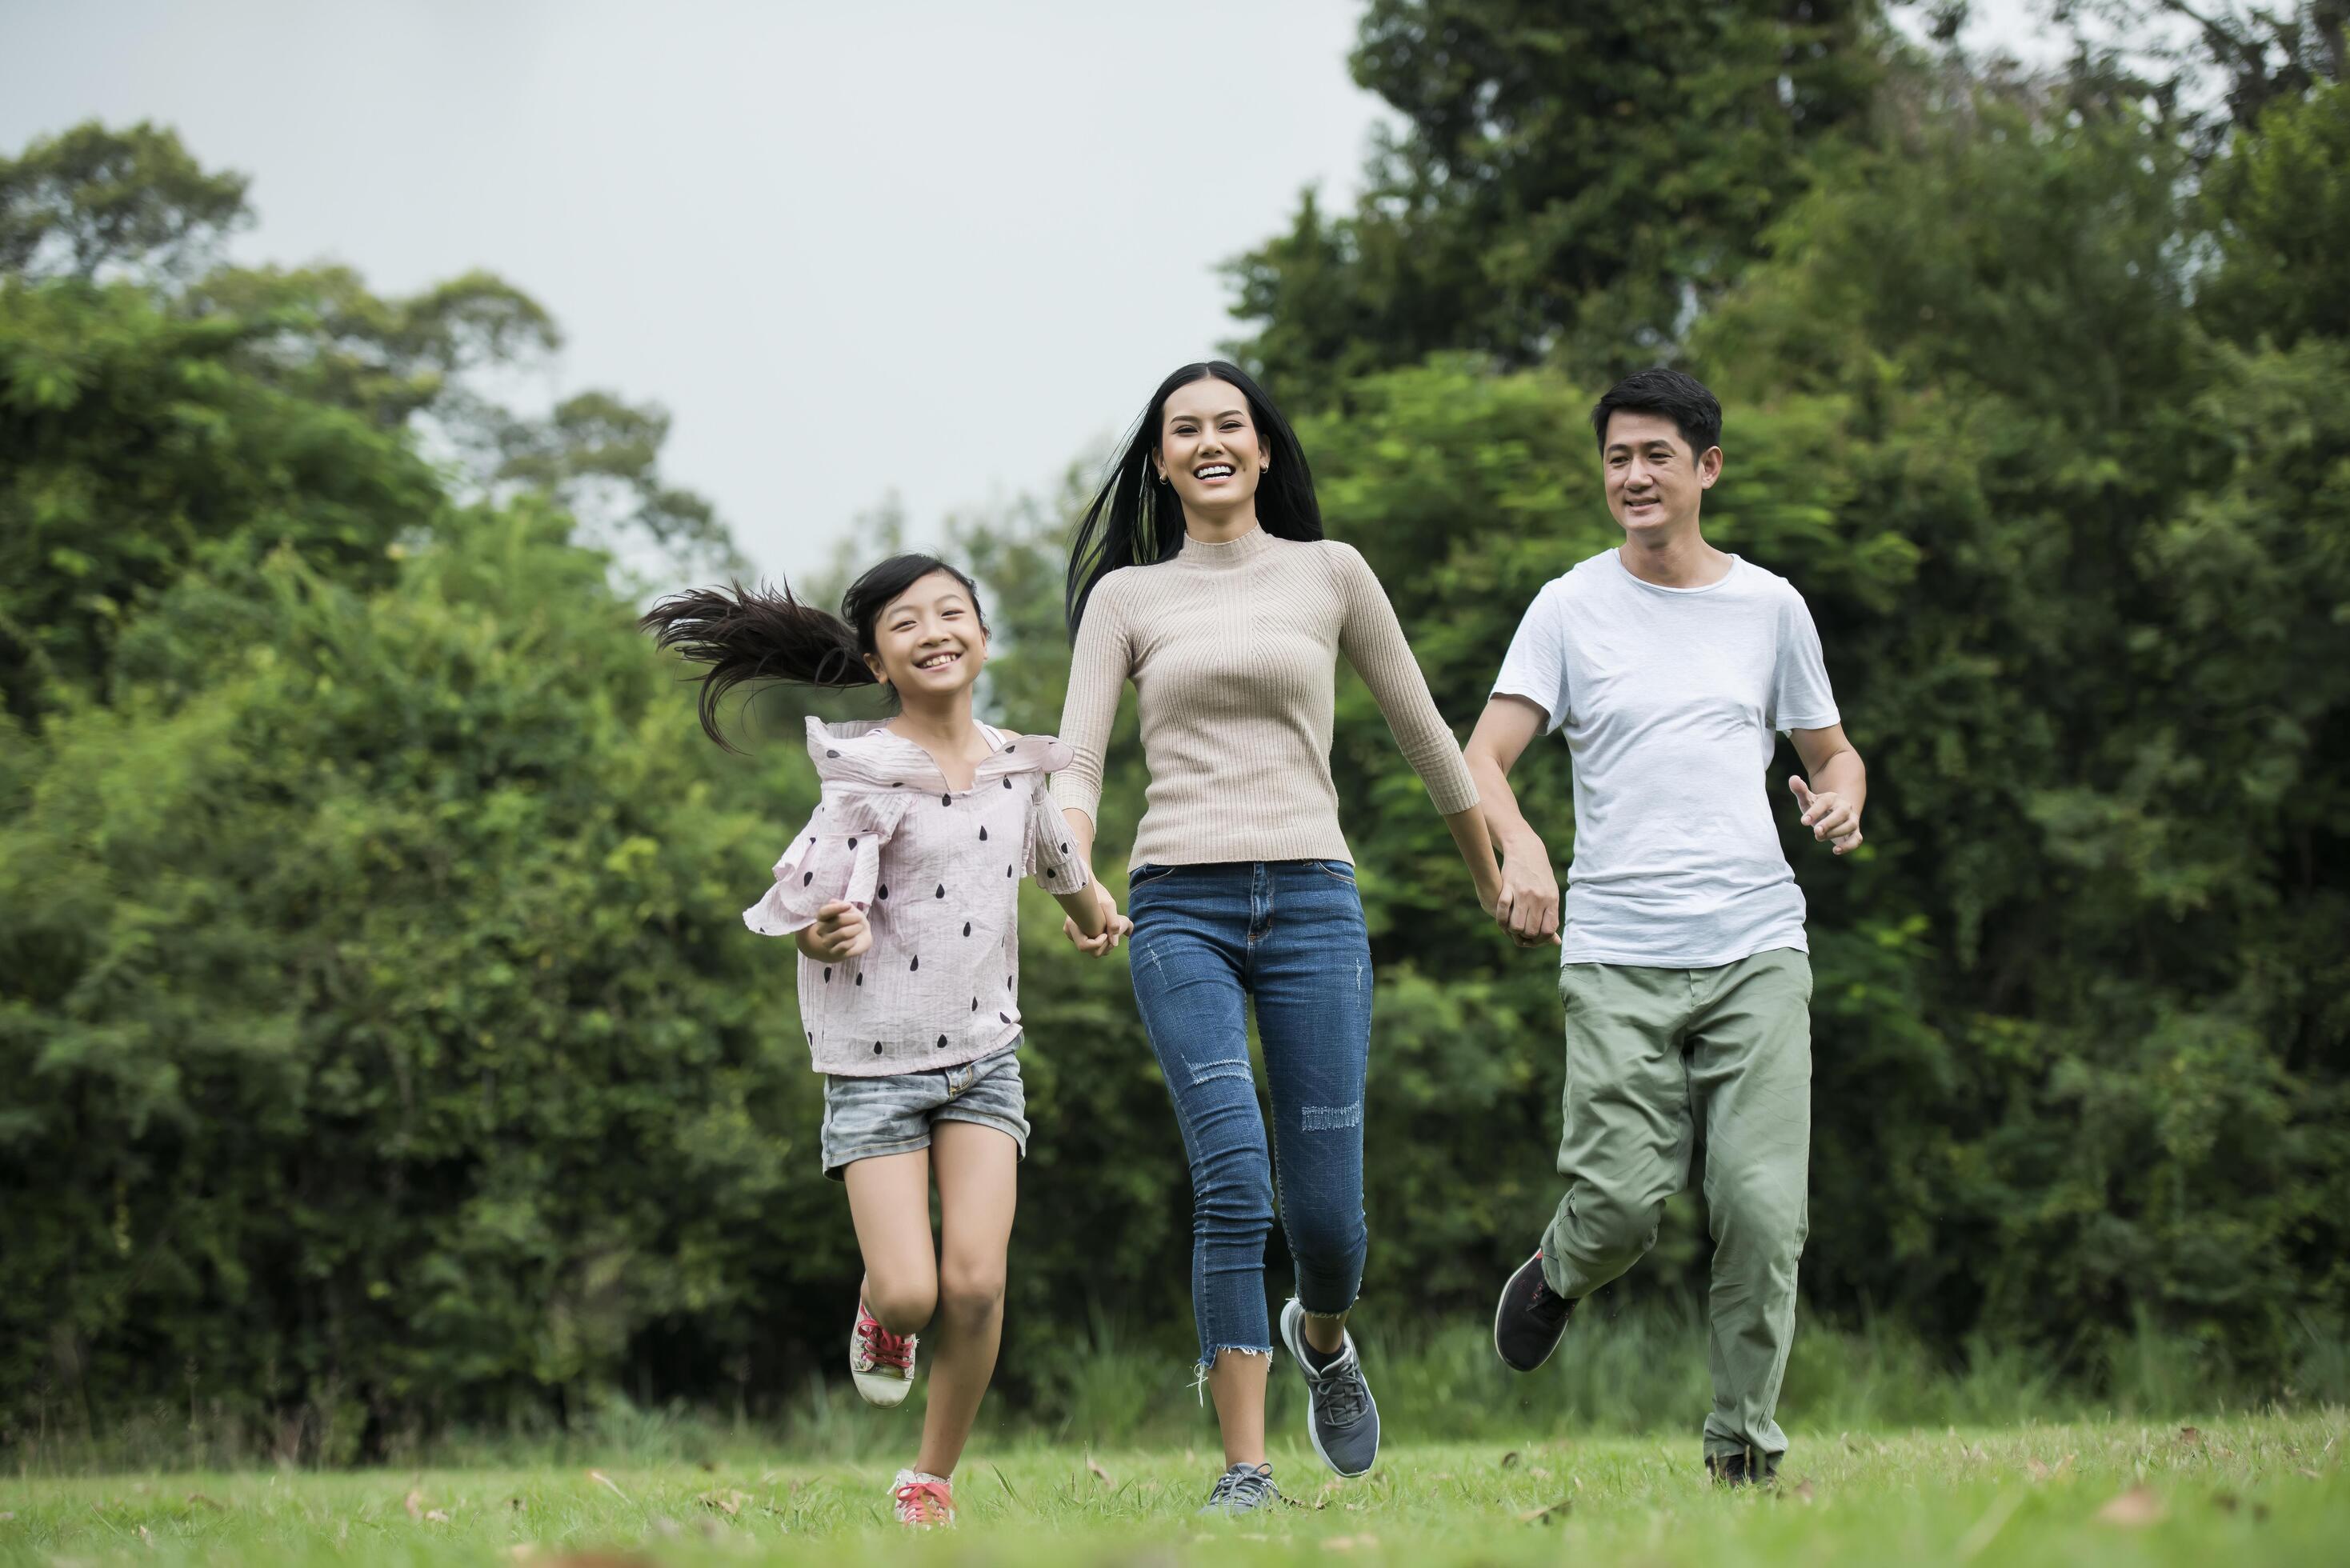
(380,1045)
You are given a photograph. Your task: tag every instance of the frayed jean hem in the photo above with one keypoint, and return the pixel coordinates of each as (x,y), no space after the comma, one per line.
(1206,1364)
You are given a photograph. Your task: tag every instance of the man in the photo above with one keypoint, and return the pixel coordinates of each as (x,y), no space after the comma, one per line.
(1670,663)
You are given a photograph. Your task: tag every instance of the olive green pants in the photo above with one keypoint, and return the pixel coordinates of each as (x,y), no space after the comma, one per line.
(1651,1052)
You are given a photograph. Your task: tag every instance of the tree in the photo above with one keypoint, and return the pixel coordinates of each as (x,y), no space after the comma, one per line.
(132,201)
(1565,183)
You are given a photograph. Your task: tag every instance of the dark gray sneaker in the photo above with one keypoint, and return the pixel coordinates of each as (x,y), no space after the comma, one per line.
(1342,1418)
(1530,1318)
(1746,1467)
(1244,1488)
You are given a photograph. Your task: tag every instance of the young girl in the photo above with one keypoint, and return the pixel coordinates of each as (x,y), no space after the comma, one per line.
(902,894)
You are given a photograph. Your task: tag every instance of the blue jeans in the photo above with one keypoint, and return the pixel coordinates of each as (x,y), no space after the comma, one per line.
(1287,935)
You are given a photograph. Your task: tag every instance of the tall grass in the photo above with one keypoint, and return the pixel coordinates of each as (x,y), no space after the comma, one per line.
(1639,1370)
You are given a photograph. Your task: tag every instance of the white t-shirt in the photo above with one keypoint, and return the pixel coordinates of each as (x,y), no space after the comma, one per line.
(1669,697)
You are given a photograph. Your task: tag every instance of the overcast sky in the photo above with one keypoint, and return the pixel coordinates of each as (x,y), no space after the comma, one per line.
(905,245)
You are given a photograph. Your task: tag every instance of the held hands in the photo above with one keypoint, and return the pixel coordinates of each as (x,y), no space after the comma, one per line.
(1527,907)
(840,932)
(1829,815)
(1115,927)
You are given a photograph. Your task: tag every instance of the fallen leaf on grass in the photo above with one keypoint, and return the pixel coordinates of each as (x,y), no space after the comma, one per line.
(1349,1542)
(435,1516)
(1509,1458)
(415,1500)
(2037,1470)
(602,1479)
(2189,1436)
(1100,1474)
(1543,1515)
(2134,1509)
(727,1502)
(198,1496)
(1804,1491)
(148,1539)
(516,1504)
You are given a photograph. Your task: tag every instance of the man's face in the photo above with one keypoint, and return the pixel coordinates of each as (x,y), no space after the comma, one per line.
(1654,481)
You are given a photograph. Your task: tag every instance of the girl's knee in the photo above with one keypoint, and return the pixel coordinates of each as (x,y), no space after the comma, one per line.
(901,1306)
(971,1291)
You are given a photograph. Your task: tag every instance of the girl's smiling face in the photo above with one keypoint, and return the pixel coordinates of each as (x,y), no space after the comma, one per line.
(929,641)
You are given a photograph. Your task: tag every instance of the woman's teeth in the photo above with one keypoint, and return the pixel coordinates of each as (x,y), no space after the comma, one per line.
(1213,470)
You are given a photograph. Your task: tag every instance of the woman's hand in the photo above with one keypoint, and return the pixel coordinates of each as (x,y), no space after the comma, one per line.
(840,932)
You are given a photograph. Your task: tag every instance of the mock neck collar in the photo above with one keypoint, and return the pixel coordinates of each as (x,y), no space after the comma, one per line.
(1228,551)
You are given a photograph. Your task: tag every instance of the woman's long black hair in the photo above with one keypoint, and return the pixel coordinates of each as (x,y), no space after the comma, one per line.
(743,634)
(1135,521)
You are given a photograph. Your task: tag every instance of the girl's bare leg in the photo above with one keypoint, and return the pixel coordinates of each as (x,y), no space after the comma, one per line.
(889,1201)
(978,1171)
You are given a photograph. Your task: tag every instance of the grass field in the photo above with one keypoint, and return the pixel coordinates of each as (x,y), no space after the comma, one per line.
(2237,1489)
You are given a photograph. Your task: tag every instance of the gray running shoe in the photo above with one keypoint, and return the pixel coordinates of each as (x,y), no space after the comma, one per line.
(1342,1418)
(1244,1488)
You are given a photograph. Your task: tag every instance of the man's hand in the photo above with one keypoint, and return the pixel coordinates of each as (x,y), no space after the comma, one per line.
(840,932)
(1528,907)
(1115,927)
(1831,817)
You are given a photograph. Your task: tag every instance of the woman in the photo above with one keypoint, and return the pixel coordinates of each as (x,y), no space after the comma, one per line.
(1200,574)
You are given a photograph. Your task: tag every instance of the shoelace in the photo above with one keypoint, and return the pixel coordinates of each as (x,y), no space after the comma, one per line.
(1244,1486)
(923,1502)
(887,1349)
(1339,1390)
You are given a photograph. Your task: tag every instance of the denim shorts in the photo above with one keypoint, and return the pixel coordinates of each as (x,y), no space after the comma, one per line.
(866,1117)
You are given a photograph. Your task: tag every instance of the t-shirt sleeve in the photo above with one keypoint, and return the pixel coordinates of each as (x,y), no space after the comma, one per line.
(1800,696)
(1535,666)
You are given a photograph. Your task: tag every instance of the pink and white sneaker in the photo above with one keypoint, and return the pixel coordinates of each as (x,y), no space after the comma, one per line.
(924,1501)
(882,1363)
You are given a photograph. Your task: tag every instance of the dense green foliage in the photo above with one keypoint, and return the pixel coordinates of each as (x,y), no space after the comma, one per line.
(383,1049)
(1567,179)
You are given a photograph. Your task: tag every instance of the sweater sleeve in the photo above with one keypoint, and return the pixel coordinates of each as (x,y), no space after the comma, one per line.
(1373,642)
(1098,666)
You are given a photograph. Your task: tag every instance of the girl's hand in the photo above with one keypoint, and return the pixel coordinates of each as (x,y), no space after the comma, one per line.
(1115,927)
(840,932)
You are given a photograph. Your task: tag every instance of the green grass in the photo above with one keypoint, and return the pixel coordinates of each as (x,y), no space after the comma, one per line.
(2249,1487)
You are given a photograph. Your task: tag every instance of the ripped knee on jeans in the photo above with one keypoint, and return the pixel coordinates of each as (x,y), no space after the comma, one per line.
(1330,1118)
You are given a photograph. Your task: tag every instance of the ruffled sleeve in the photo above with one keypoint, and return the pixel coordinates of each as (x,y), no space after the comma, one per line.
(836,858)
(1052,854)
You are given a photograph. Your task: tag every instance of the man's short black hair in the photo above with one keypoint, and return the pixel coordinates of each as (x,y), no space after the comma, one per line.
(1681,399)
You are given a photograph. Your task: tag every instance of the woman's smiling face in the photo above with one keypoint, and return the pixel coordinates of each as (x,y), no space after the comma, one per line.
(929,639)
(1209,449)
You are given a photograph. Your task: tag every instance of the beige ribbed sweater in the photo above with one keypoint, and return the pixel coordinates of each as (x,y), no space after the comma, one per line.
(1233,649)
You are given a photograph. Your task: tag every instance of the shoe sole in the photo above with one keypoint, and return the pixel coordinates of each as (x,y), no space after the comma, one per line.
(1293,1335)
(1532,1262)
(876,1387)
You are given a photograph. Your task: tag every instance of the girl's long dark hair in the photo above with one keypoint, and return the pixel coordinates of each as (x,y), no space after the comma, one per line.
(741,634)
(1135,521)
